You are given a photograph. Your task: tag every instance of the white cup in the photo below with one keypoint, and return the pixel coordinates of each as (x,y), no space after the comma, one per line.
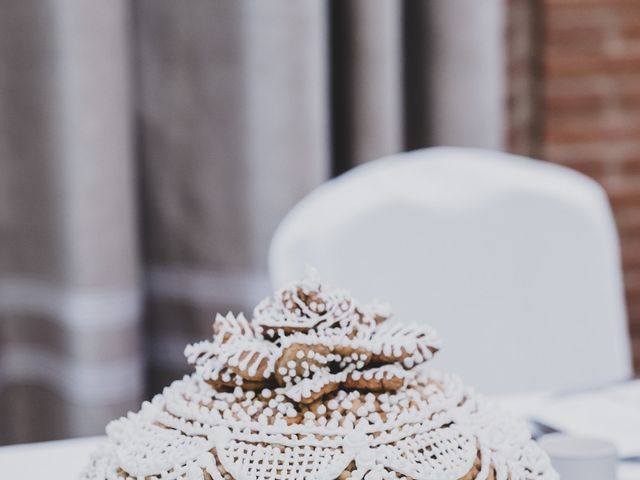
(578,458)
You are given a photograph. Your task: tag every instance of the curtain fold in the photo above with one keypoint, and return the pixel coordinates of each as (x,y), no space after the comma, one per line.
(69,289)
(149,149)
(463,54)
(367,95)
(233,126)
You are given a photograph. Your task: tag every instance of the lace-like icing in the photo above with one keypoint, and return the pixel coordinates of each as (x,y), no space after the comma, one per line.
(317,387)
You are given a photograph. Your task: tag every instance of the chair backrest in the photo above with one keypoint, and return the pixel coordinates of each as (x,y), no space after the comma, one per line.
(514,261)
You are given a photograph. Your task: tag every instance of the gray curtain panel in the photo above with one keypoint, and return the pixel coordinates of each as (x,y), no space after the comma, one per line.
(70,355)
(233,132)
(148,150)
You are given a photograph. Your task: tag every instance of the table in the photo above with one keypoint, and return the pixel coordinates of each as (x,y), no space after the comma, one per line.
(59,460)
(521,405)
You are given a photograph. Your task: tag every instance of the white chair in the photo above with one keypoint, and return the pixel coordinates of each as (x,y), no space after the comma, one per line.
(514,261)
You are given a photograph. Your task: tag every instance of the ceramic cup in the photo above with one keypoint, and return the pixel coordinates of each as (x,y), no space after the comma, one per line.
(578,458)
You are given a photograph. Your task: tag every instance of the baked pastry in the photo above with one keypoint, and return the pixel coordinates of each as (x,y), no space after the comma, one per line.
(317,386)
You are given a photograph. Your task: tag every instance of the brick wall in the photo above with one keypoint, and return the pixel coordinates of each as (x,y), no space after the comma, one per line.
(524,63)
(585,105)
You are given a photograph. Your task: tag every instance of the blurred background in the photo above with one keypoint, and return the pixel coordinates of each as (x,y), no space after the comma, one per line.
(148,150)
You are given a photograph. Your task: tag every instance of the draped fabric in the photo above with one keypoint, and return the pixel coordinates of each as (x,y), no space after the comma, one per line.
(148,150)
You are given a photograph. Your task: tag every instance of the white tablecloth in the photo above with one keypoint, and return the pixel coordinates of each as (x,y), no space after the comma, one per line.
(61,460)
(523,405)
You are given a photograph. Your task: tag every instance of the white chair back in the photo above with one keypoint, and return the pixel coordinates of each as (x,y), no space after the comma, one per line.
(514,261)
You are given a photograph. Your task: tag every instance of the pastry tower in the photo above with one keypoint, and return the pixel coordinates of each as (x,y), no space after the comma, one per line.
(317,387)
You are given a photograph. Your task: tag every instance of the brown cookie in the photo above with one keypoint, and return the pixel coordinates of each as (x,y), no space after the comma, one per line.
(253,364)
(407,344)
(228,380)
(309,390)
(299,361)
(379,379)
(350,353)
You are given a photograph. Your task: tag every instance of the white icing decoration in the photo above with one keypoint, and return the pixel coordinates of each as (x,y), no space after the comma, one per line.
(444,453)
(358,445)
(269,462)
(310,426)
(143,448)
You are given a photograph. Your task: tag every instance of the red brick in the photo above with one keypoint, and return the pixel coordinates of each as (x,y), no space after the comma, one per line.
(632,284)
(595,168)
(635,345)
(579,16)
(624,195)
(576,65)
(581,84)
(634,322)
(630,26)
(631,259)
(576,39)
(628,222)
(522,108)
(609,152)
(633,309)
(566,133)
(630,242)
(630,165)
(585,3)
(559,34)
(630,95)
(629,238)
(578,101)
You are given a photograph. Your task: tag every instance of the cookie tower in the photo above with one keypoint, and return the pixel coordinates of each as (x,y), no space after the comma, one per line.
(317,387)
